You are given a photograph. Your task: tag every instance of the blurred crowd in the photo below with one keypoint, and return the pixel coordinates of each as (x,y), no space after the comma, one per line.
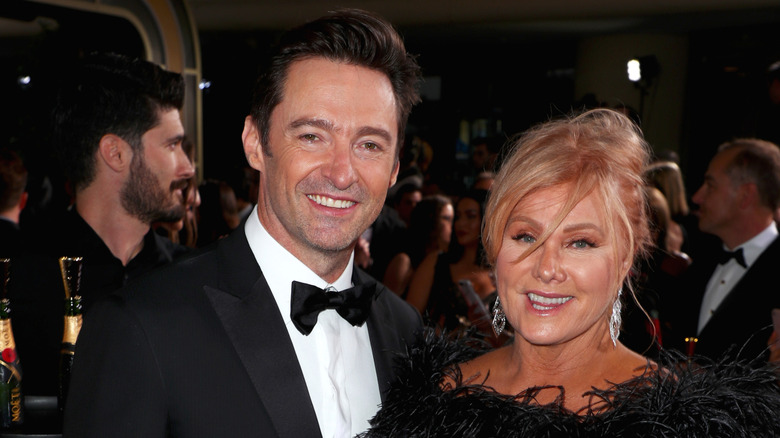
(426,245)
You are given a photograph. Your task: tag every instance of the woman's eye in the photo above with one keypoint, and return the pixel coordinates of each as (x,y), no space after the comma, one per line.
(582,244)
(524,237)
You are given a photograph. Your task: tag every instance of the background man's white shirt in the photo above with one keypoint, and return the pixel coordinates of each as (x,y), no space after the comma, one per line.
(726,276)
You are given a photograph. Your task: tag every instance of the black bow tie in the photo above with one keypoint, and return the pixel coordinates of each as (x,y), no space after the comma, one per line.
(737,255)
(308,301)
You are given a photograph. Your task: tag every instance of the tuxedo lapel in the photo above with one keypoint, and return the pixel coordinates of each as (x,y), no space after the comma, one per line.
(755,284)
(383,355)
(743,318)
(382,333)
(248,312)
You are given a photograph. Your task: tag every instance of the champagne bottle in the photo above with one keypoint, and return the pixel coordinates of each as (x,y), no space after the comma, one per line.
(70,267)
(11,401)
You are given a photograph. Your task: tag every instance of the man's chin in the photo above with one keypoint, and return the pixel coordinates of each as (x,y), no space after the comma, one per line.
(334,245)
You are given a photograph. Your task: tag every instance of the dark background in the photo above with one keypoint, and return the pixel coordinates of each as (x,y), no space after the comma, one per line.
(510,78)
(521,81)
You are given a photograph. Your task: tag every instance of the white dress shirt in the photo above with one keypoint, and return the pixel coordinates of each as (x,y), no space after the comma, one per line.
(726,276)
(336,358)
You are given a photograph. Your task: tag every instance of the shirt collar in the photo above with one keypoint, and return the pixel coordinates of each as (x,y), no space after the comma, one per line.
(5,219)
(280,267)
(753,248)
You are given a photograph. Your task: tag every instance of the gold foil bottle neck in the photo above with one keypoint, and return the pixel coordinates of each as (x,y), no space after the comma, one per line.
(72,329)
(6,336)
(70,267)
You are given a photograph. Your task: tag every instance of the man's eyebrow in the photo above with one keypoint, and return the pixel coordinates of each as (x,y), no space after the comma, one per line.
(175,139)
(317,123)
(327,125)
(370,130)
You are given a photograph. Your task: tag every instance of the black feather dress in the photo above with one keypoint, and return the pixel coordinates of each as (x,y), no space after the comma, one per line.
(727,398)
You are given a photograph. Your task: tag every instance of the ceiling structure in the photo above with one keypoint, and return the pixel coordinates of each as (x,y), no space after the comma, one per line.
(484,19)
(462,41)
(505,16)
(459,37)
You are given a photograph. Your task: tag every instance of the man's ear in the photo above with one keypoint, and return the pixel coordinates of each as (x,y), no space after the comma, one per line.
(394,176)
(253,148)
(748,195)
(115,152)
(23,200)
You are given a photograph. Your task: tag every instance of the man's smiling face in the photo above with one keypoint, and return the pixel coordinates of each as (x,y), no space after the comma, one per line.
(330,157)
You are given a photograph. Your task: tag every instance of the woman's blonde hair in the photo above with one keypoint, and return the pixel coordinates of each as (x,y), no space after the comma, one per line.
(599,151)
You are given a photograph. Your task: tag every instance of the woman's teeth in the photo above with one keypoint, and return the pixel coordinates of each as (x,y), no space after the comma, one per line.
(544,303)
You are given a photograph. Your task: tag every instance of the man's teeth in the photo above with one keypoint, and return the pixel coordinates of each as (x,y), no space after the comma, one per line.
(544,303)
(330,202)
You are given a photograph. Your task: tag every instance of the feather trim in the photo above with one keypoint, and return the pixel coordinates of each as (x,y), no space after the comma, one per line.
(725,398)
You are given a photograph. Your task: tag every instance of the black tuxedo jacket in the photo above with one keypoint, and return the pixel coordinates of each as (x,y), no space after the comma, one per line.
(199,349)
(742,321)
(10,239)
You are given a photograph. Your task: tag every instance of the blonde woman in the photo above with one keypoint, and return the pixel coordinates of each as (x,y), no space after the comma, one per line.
(565,223)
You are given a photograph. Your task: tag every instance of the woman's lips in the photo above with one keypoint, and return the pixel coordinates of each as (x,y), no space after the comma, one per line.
(546,304)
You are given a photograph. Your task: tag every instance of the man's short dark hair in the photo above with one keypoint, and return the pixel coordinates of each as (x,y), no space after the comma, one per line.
(758,162)
(109,94)
(13,178)
(350,36)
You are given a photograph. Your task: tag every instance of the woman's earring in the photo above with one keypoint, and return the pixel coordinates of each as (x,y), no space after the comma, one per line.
(499,318)
(615,320)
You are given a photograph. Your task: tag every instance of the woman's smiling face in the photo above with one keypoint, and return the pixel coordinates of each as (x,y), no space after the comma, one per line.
(564,288)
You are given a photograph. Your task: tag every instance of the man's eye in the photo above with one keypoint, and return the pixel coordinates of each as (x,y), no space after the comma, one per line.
(371,146)
(309,137)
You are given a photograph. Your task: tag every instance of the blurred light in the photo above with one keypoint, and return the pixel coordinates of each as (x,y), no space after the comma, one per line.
(24,80)
(642,70)
(204,84)
(634,70)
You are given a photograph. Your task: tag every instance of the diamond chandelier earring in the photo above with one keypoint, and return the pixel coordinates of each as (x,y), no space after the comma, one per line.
(499,318)
(615,319)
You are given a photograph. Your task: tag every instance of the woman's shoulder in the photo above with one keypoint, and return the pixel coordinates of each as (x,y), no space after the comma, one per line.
(477,370)
(430,260)
(434,362)
(400,262)
(728,397)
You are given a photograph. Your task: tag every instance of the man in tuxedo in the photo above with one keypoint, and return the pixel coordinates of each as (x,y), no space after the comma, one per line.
(13,197)
(726,303)
(272,331)
(118,135)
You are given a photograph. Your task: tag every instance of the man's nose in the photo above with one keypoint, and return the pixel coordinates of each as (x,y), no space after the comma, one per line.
(339,168)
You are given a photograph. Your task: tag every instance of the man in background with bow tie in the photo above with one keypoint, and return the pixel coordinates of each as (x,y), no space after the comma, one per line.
(272,331)
(726,303)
